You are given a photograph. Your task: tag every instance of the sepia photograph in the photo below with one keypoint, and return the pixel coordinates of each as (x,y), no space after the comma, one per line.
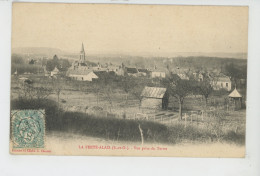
(128,80)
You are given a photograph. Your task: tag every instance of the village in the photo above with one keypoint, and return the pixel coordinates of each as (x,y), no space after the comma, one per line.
(166,95)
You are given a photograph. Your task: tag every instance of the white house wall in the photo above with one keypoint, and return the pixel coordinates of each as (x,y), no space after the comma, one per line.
(88,77)
(222,85)
(158,74)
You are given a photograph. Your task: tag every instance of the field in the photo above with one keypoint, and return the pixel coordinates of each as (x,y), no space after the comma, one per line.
(79,106)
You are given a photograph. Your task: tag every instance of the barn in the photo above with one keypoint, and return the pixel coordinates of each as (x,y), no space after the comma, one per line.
(155,98)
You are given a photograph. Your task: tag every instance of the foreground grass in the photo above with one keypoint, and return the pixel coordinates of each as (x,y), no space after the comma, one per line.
(124,129)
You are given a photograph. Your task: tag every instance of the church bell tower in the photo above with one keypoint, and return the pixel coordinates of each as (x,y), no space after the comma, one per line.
(82,55)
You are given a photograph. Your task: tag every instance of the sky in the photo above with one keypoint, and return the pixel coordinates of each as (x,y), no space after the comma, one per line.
(130,29)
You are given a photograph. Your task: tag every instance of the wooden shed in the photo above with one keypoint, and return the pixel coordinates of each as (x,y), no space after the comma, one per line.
(155,98)
(235,99)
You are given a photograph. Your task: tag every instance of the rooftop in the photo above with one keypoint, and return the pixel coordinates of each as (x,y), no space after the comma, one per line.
(79,71)
(235,94)
(153,92)
(131,70)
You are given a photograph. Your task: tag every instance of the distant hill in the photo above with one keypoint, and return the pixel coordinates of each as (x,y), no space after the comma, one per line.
(216,54)
(195,54)
(43,51)
(46,51)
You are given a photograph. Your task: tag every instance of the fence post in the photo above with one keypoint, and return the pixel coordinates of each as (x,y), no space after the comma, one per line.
(141,133)
(185,117)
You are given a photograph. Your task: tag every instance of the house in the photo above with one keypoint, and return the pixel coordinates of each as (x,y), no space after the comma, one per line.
(118,70)
(155,98)
(55,71)
(143,71)
(82,75)
(183,76)
(221,82)
(131,71)
(235,99)
(104,75)
(198,76)
(156,73)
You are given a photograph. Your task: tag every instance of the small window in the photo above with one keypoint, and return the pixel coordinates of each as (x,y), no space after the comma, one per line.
(226,84)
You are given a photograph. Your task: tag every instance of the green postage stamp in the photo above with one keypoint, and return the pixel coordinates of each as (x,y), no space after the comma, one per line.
(28,128)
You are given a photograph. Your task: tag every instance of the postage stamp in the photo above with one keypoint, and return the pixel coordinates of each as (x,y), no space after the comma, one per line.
(28,128)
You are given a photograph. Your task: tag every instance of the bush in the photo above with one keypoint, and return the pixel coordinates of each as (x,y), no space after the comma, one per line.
(233,137)
(122,129)
(179,133)
(112,128)
(52,117)
(109,128)
(220,92)
(22,68)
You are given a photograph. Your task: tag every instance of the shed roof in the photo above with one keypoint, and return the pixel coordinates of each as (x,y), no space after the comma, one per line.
(153,92)
(235,94)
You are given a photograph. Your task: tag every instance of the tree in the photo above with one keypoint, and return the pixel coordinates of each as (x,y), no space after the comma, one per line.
(233,72)
(108,90)
(97,89)
(50,65)
(31,62)
(28,91)
(63,65)
(179,89)
(138,86)
(57,88)
(137,91)
(205,89)
(16,59)
(127,83)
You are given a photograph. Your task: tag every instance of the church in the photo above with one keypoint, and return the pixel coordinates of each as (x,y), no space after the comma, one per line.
(86,71)
(82,58)
(80,70)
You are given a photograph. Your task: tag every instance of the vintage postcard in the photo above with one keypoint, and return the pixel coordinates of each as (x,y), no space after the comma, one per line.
(128,80)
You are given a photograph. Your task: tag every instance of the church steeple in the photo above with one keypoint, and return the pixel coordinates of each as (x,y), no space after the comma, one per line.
(82,48)
(82,54)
